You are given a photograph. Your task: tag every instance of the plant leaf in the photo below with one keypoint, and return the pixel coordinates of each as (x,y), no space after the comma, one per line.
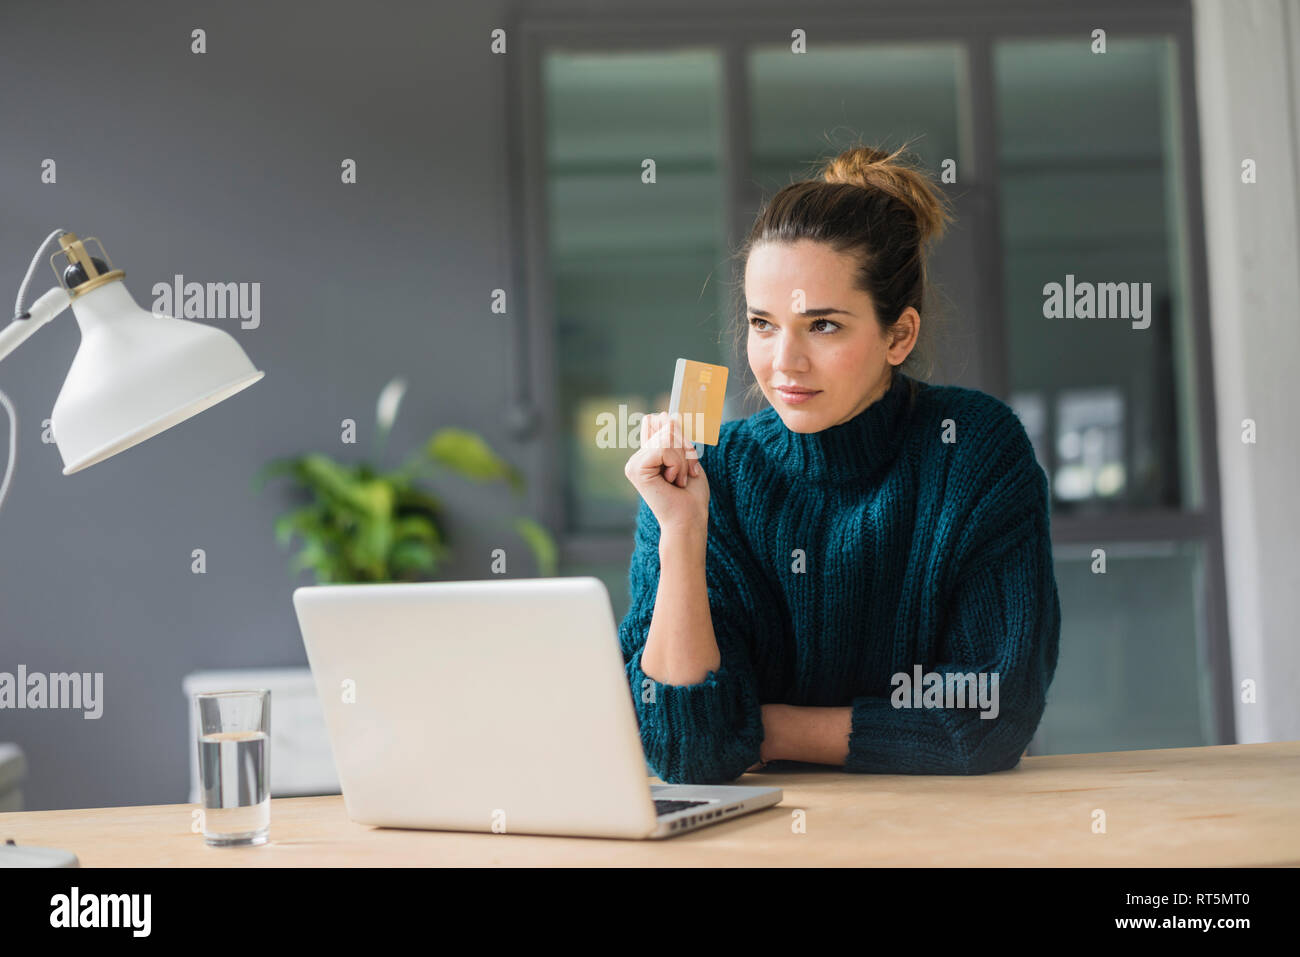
(412,559)
(302,521)
(337,483)
(467,454)
(542,544)
(390,400)
(276,468)
(416,528)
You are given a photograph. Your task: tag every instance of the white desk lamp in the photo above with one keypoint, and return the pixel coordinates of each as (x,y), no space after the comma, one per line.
(135,373)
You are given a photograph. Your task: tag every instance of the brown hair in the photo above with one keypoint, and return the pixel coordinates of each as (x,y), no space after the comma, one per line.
(869,203)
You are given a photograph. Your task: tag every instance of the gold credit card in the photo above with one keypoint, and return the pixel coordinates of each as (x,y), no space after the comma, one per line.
(699,389)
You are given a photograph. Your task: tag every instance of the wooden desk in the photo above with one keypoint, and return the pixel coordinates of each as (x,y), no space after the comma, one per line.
(1233,805)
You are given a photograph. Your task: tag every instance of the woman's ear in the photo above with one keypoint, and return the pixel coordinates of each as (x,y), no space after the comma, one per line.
(903,335)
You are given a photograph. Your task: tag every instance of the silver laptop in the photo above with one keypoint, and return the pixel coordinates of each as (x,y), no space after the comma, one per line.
(499,706)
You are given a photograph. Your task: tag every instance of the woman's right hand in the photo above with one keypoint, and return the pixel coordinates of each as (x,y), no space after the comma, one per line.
(666,471)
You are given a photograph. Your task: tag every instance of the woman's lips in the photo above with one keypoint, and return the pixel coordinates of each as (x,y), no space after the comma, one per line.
(797,398)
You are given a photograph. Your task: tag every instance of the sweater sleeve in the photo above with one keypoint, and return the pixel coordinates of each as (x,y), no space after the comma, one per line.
(1003,619)
(705,733)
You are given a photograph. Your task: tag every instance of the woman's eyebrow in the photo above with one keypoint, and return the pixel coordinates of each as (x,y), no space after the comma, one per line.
(809,313)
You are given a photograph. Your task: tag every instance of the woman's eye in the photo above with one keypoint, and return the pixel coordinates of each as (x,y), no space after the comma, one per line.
(833,325)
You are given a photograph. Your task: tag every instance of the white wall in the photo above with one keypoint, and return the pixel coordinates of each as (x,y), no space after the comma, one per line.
(1248,86)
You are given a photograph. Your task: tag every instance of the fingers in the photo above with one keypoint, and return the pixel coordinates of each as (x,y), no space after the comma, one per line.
(666,431)
(667,435)
(677,457)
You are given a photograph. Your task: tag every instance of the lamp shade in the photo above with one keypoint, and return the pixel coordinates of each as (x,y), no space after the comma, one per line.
(137,374)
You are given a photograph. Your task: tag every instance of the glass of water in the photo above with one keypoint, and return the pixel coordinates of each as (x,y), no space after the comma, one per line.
(235,766)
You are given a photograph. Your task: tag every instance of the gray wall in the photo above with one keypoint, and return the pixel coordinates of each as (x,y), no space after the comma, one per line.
(225,167)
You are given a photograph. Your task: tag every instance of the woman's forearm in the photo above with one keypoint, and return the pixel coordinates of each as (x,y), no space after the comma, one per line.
(815,735)
(681,648)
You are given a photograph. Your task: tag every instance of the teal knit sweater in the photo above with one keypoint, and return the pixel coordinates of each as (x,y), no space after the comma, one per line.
(912,539)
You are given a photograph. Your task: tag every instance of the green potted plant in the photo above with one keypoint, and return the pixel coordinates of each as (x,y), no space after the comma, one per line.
(360,523)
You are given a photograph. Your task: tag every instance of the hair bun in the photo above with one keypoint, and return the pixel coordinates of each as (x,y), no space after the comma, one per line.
(877,169)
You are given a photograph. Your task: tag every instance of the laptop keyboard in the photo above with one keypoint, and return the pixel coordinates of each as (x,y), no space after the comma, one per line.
(664,806)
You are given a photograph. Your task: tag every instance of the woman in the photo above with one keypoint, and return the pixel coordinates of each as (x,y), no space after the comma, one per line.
(860,575)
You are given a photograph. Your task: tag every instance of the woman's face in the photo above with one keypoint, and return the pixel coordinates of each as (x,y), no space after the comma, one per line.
(809,327)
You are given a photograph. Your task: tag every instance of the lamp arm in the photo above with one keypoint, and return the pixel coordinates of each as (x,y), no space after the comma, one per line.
(31,270)
(12,459)
(11,337)
(43,310)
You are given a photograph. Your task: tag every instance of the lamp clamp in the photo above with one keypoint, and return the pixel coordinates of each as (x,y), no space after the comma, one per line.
(83,271)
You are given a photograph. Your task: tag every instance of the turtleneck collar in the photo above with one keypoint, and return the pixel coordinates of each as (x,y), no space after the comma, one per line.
(843,454)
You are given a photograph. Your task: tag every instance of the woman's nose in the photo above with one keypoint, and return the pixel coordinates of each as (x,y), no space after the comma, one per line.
(789,355)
